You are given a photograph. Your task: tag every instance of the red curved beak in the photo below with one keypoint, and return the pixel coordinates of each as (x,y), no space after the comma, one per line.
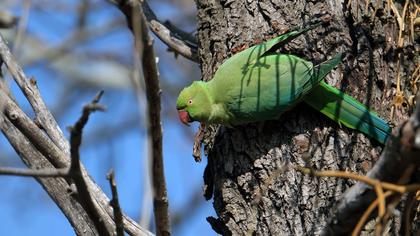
(184,117)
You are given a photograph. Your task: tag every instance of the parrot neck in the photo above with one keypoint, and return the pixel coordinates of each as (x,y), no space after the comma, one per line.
(218,112)
(219,115)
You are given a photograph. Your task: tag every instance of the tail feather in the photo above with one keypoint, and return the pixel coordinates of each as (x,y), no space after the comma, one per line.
(345,110)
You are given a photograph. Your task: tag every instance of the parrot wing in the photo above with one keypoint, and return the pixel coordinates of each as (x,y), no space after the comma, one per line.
(270,86)
(276,43)
(249,56)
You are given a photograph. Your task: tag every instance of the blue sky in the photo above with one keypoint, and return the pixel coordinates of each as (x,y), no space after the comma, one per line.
(27,210)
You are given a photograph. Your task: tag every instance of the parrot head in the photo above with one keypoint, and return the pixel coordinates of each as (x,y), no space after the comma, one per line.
(194,103)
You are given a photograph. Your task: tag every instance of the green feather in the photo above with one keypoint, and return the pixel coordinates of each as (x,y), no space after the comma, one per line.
(249,56)
(266,89)
(345,110)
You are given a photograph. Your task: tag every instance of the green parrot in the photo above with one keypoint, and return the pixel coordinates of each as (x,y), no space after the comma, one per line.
(260,84)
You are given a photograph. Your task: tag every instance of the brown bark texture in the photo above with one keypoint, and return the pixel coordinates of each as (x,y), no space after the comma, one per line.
(247,176)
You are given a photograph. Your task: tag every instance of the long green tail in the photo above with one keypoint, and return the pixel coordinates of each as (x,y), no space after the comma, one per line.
(346,110)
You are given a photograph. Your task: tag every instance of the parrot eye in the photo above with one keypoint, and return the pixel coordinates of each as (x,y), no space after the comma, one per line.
(190,101)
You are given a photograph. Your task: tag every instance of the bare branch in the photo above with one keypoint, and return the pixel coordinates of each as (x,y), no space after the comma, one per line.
(57,158)
(58,155)
(144,46)
(34,172)
(151,77)
(75,168)
(398,161)
(118,217)
(57,188)
(28,128)
(175,39)
(31,92)
(364,179)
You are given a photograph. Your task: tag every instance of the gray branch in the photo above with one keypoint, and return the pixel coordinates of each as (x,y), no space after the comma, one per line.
(144,46)
(31,92)
(118,216)
(177,40)
(34,172)
(57,188)
(75,168)
(52,146)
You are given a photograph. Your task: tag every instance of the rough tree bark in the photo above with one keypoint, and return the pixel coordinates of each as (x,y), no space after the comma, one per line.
(252,192)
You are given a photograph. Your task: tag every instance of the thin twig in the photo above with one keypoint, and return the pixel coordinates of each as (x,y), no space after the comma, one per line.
(381,200)
(144,46)
(22,26)
(76,38)
(136,80)
(398,98)
(31,92)
(75,167)
(367,213)
(382,221)
(56,151)
(118,216)
(34,172)
(378,186)
(55,187)
(177,42)
(56,155)
(394,168)
(32,132)
(362,178)
(151,77)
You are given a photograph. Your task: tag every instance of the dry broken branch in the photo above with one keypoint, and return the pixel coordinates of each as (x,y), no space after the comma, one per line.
(41,144)
(178,41)
(31,92)
(57,188)
(398,161)
(34,172)
(75,168)
(118,216)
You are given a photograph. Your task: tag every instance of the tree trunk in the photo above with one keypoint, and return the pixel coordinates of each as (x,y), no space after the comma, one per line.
(253,190)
